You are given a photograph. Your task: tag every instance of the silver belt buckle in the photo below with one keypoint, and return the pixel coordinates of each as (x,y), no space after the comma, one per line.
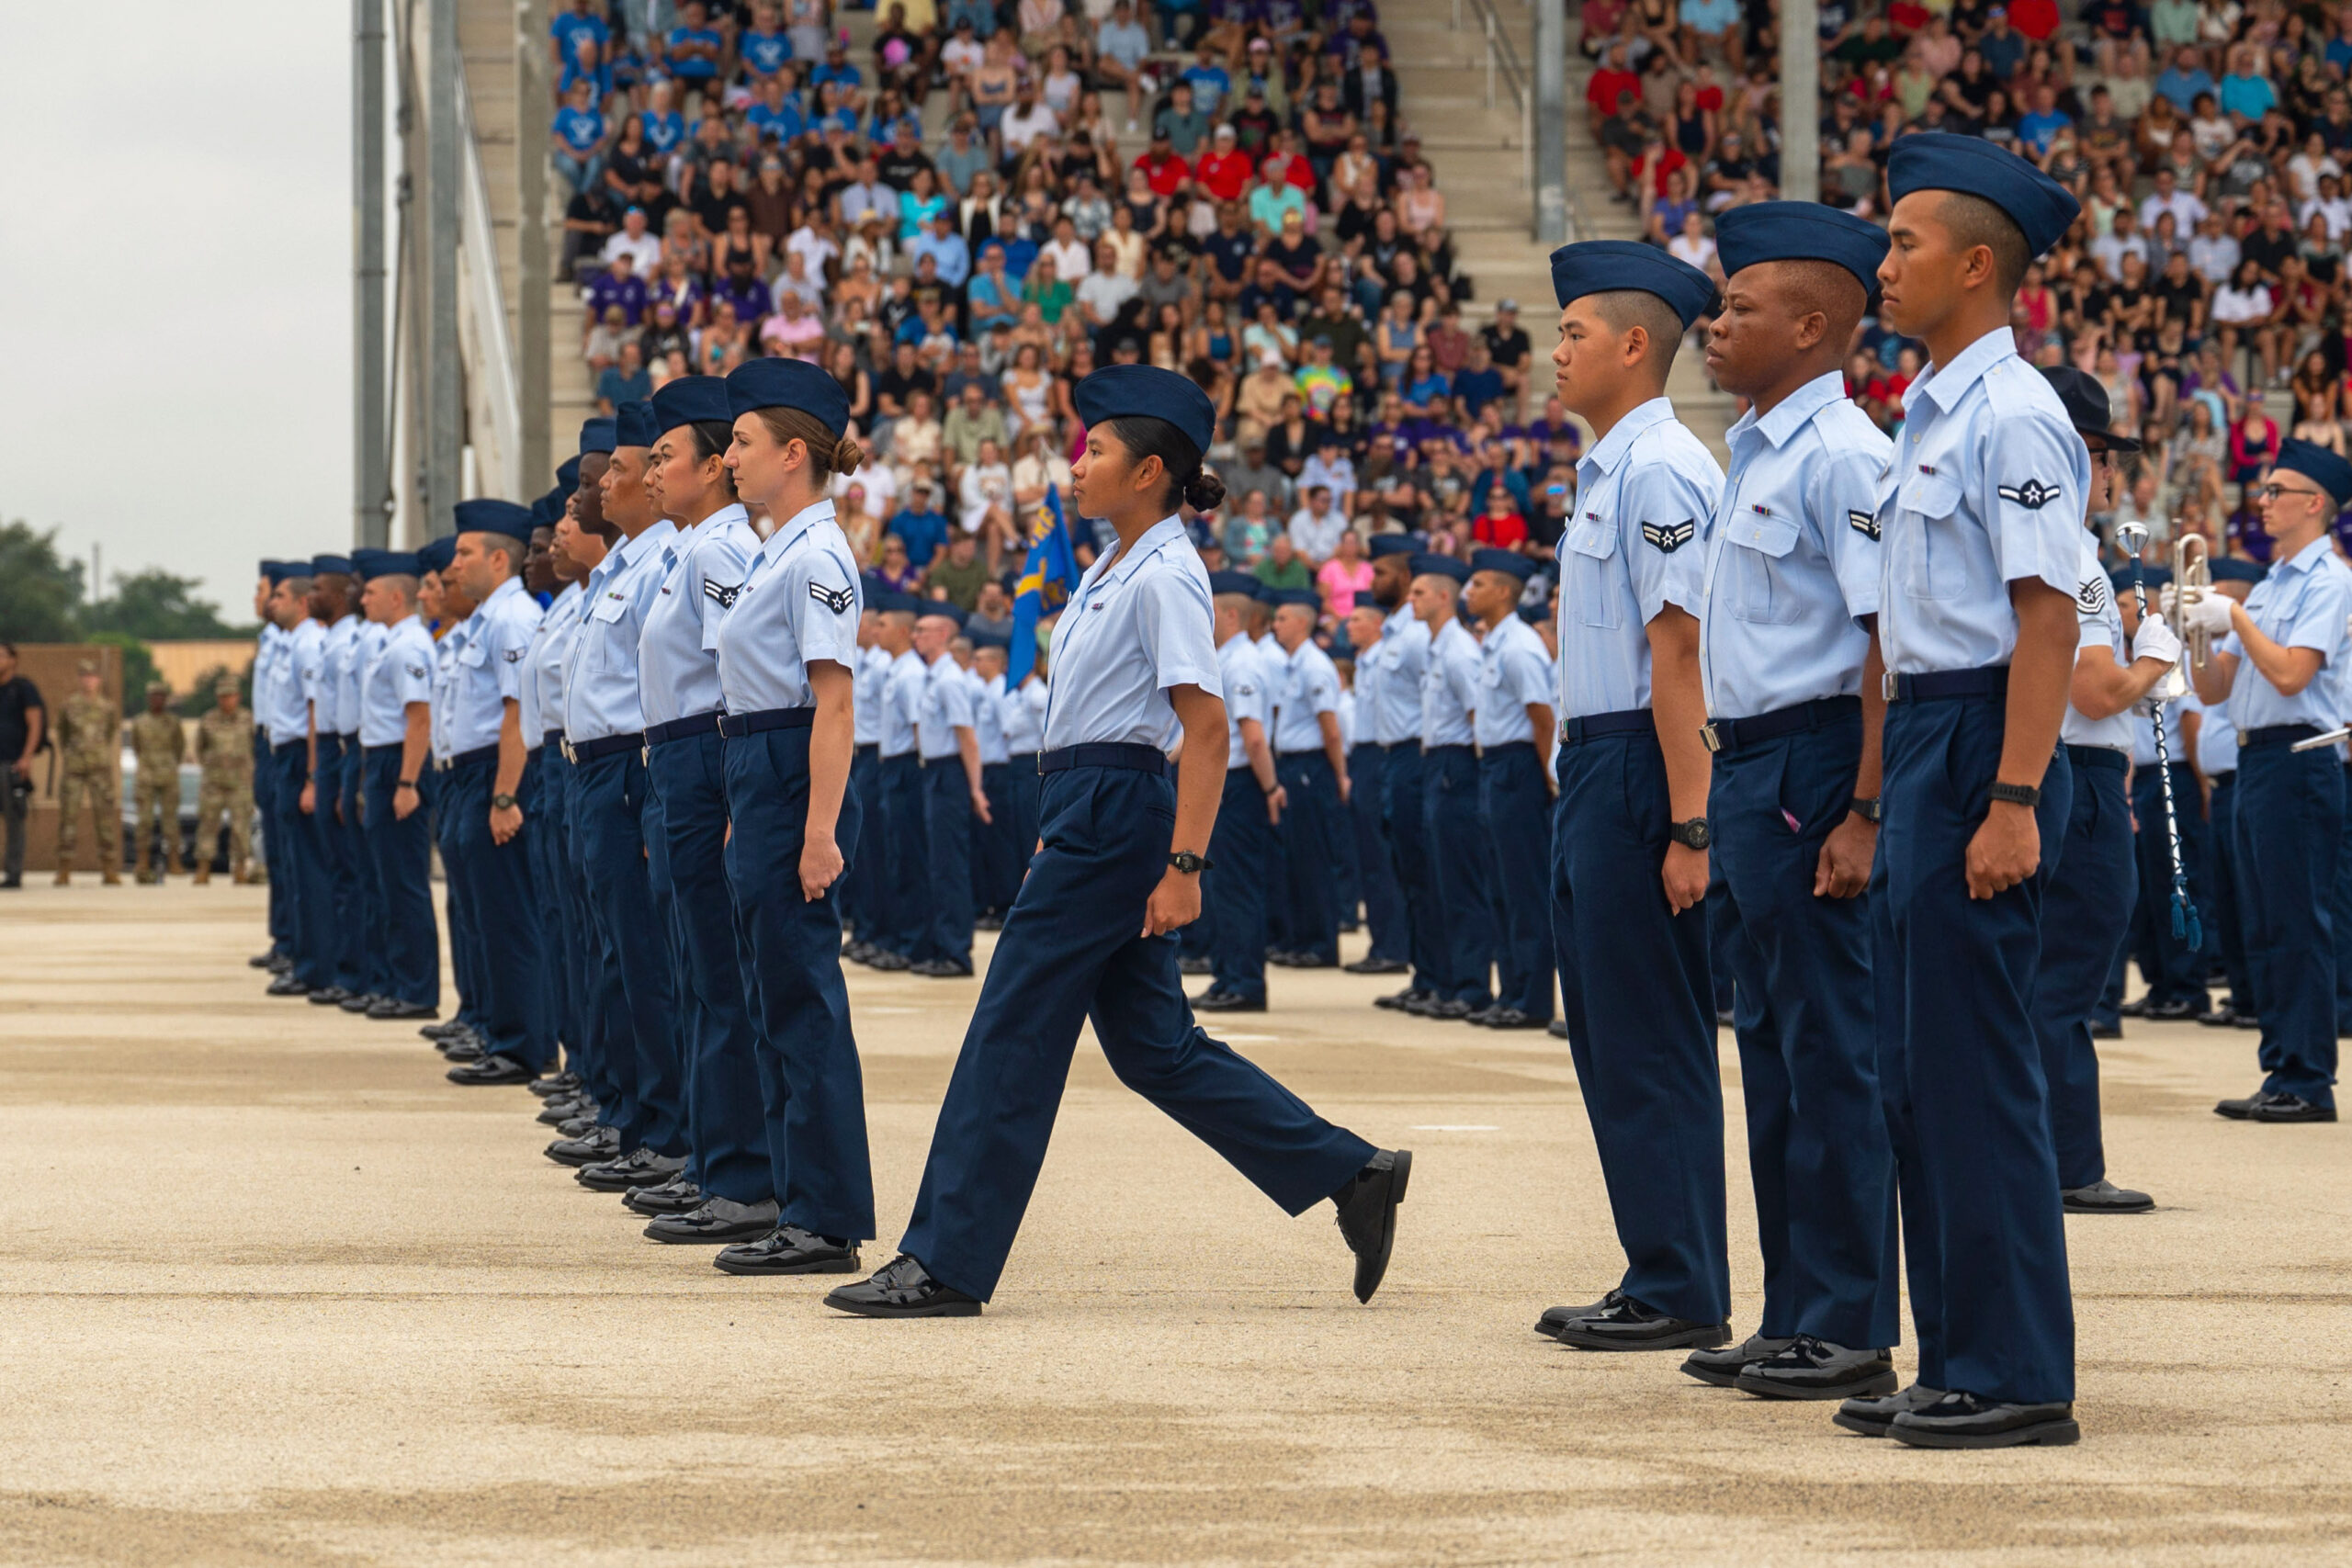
(568,755)
(1890,686)
(644,755)
(1710,735)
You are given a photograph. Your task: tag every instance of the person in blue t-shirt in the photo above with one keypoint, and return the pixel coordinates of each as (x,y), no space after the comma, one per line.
(583,43)
(765,47)
(577,148)
(663,126)
(1209,82)
(692,46)
(924,533)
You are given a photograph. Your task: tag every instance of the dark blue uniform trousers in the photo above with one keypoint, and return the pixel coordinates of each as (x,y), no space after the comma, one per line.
(1817,1149)
(901,887)
(369,934)
(1070,953)
(1233,891)
(400,853)
(2228,930)
(854,893)
(280,886)
(558,929)
(2290,824)
(2341,907)
(1310,854)
(1516,810)
(2084,912)
(1404,825)
(1461,873)
(340,929)
(731,1158)
(633,945)
(1022,782)
(1383,901)
(947,824)
(1960,1072)
(789,948)
(498,889)
(1197,942)
(995,870)
(300,857)
(464,951)
(603,1056)
(2174,970)
(1635,991)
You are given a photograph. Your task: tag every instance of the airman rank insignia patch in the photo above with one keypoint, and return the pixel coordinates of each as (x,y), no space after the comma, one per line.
(837,600)
(514,655)
(723,594)
(2092,595)
(1668,537)
(2033,495)
(1863,523)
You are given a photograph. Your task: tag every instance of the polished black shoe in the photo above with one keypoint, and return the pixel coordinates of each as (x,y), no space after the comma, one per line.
(675,1196)
(988,923)
(1377,967)
(2287,1108)
(1964,1421)
(1555,1319)
(389,1009)
(580,1127)
(1557,1028)
(903,1289)
(491,1071)
(1228,1001)
(2247,1021)
(1448,1011)
(1478,1016)
(2103,1197)
(1402,1001)
(2136,1008)
(1627,1324)
(359,1002)
(2178,1009)
(1722,1365)
(590,1147)
(2111,1031)
(1815,1369)
(1194,967)
(1511,1018)
(287,986)
(555,1086)
(2238,1110)
(462,1048)
(1871,1417)
(261,961)
(639,1168)
(446,1029)
(941,969)
(1314,961)
(556,1112)
(788,1249)
(858,951)
(2223,1017)
(1367,1206)
(328,997)
(888,961)
(715,1222)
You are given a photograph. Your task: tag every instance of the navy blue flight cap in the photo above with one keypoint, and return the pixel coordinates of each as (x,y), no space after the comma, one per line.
(2319,465)
(567,478)
(599,434)
(395,563)
(1510,562)
(1800,231)
(1146,391)
(633,424)
(274,569)
(1938,160)
(330,566)
(938,610)
(367,563)
(1427,565)
(1391,545)
(434,555)
(1306,597)
(900,603)
(546,509)
(1605,266)
(1233,582)
(483,515)
(786,384)
(691,399)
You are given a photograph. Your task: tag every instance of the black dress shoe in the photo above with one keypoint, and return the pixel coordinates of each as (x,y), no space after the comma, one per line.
(261,961)
(788,1249)
(941,969)
(1478,1016)
(1194,967)
(1377,967)
(1314,961)
(639,1168)
(1367,1206)
(1445,1009)
(675,1196)
(903,1289)
(287,986)
(1871,1417)
(857,952)
(1557,1028)
(1228,1001)
(1815,1369)
(1722,1365)
(2178,1008)
(437,1032)
(2246,1020)
(2238,1110)
(2103,1197)
(464,1048)
(555,1086)
(2287,1108)
(590,1147)
(1402,1001)
(328,997)
(1511,1018)
(2223,1017)
(556,1112)
(1627,1324)
(580,1127)
(888,961)
(491,1071)
(991,923)
(1555,1319)
(360,1001)
(2136,1008)
(387,1008)
(715,1222)
(2111,1031)
(1964,1421)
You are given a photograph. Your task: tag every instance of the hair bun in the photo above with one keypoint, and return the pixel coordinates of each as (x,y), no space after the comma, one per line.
(1204,491)
(847,456)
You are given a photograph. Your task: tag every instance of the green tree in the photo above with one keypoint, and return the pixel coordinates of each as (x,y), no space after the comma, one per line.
(40,592)
(155,605)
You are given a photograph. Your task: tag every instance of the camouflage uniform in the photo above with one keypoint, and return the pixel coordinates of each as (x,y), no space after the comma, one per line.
(224,749)
(89,742)
(156,740)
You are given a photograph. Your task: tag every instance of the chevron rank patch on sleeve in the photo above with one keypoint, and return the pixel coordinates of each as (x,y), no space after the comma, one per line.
(837,600)
(1863,523)
(2092,595)
(722,594)
(2033,495)
(1668,537)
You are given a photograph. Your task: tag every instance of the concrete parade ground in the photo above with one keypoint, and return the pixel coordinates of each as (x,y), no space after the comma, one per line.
(273,1291)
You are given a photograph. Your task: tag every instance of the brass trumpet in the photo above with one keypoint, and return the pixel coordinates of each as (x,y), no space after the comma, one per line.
(2192,576)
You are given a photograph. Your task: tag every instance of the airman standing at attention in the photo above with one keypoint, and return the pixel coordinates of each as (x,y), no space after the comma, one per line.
(89,738)
(157,741)
(224,751)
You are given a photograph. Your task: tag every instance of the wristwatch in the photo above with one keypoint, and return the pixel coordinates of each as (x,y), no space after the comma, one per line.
(408,783)
(1867,807)
(1189,864)
(502,803)
(1691,835)
(2027,796)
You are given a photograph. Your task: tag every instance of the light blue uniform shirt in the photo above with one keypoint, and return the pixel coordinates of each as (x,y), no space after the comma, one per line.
(799,604)
(550,657)
(1645,495)
(444,686)
(1022,711)
(873,674)
(2217,743)
(988,720)
(946,705)
(902,702)
(677,659)
(1345,712)
(1514,670)
(2100,624)
(1307,685)
(1449,688)
(297,686)
(1249,694)
(336,667)
(1141,622)
(1986,489)
(2144,731)
(269,669)
(1792,560)
(489,671)
(2302,604)
(600,695)
(400,672)
(1400,656)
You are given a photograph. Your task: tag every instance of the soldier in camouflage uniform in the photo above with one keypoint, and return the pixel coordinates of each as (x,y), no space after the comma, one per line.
(157,741)
(89,742)
(224,749)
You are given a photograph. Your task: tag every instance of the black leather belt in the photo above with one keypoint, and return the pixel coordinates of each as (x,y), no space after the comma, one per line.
(1401,746)
(2105,757)
(578,751)
(393,745)
(283,746)
(1508,749)
(1593,726)
(871,752)
(553,737)
(1434,751)
(735,726)
(1937,685)
(1303,752)
(469,758)
(683,728)
(2275,735)
(1105,754)
(1730,734)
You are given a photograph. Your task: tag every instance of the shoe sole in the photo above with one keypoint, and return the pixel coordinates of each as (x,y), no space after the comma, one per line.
(2147,1208)
(837,1265)
(1714,1377)
(1878,1385)
(1705,1338)
(1863,1424)
(732,1235)
(572,1163)
(945,1309)
(2049,1434)
(2291,1120)
(1398,1179)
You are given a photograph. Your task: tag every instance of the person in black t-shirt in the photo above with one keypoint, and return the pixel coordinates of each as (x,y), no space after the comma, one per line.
(591,216)
(24,730)
(1507,348)
(906,375)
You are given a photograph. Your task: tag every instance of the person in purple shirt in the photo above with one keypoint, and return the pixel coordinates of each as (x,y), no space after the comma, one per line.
(742,289)
(617,284)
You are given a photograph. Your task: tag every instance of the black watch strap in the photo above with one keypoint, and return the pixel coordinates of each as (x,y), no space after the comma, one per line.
(1188,862)
(408,783)
(1868,809)
(2027,796)
(501,802)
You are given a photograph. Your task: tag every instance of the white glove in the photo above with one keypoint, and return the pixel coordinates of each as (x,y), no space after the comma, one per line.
(2155,640)
(2208,613)
(2165,600)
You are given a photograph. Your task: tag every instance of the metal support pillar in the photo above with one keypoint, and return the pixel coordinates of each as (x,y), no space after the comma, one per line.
(445,408)
(532,282)
(1801,100)
(370,485)
(1551,123)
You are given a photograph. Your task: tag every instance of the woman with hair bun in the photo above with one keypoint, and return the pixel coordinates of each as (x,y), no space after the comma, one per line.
(1116,871)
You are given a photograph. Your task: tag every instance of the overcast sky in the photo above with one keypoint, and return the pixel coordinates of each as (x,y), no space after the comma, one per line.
(176,273)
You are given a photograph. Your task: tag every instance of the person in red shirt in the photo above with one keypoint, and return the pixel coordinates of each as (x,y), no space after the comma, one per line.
(2037,20)
(1600,91)
(1223,170)
(1295,168)
(1163,167)
(1501,525)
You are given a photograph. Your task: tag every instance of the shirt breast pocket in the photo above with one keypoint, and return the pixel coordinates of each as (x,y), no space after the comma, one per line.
(1927,559)
(474,655)
(1592,587)
(1760,590)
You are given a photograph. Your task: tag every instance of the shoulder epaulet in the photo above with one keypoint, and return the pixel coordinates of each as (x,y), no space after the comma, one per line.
(2013,386)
